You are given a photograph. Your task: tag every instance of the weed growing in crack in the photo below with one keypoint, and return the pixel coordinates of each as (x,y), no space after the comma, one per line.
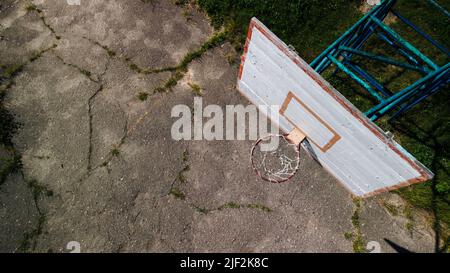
(233,205)
(260,207)
(135,67)
(11,71)
(182,68)
(177,193)
(143,96)
(32,7)
(110,52)
(185,156)
(230,205)
(38,190)
(29,242)
(196,89)
(348,235)
(178,71)
(201,210)
(115,152)
(358,242)
(181,177)
(86,72)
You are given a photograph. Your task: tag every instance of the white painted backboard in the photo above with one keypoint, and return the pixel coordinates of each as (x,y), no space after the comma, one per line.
(344,141)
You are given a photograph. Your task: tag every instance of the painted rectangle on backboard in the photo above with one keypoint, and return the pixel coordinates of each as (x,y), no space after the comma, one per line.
(308,122)
(363,158)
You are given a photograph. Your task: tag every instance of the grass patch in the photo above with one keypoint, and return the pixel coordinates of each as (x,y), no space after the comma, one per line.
(308,25)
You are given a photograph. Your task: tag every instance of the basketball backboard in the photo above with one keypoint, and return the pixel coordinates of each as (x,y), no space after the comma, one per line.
(341,138)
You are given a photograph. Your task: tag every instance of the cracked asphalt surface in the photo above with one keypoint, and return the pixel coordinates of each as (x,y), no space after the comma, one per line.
(118,181)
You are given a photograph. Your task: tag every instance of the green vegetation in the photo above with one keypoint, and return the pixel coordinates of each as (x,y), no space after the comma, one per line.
(391,208)
(259,206)
(310,26)
(185,156)
(181,177)
(409,215)
(143,96)
(230,205)
(38,189)
(233,205)
(201,210)
(196,89)
(177,193)
(358,242)
(115,152)
(348,235)
(29,242)
(33,7)
(181,69)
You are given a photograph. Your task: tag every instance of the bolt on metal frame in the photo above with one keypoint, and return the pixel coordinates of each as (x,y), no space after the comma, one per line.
(340,53)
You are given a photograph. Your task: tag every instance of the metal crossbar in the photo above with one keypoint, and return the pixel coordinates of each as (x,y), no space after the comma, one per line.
(341,52)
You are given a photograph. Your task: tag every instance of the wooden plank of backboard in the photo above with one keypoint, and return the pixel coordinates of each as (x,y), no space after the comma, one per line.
(364,159)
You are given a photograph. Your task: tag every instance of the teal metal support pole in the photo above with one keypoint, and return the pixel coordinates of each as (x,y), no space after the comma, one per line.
(383,59)
(439,7)
(342,67)
(405,43)
(334,45)
(405,92)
